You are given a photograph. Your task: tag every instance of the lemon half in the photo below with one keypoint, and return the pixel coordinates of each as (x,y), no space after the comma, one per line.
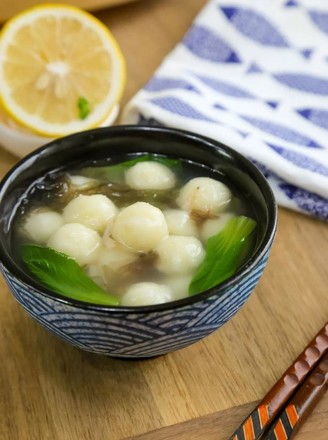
(61,70)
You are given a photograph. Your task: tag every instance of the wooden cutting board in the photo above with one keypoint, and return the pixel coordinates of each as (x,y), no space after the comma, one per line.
(221,425)
(8,8)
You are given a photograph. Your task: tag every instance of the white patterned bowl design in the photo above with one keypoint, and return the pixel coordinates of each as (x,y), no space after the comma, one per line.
(137,332)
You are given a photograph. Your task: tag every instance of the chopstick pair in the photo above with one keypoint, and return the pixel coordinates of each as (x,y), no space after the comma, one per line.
(293,396)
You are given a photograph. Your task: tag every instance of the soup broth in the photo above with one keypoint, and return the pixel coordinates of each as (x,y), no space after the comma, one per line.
(143,229)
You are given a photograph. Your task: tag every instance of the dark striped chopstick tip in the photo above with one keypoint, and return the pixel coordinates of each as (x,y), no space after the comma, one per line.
(253,425)
(292,415)
(283,429)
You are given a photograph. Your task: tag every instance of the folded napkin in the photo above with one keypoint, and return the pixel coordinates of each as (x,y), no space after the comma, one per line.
(253,75)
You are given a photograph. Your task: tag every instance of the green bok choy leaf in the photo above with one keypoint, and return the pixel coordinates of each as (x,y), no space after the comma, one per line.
(224,254)
(63,275)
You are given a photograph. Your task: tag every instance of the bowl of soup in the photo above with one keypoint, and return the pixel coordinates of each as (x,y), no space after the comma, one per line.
(134,241)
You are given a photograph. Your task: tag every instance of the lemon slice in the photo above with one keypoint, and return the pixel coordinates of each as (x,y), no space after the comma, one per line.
(61,70)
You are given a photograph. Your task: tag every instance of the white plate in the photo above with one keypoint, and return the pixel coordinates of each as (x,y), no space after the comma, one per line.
(21,142)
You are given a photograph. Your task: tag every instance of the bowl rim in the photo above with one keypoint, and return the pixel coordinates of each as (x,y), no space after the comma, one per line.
(9,263)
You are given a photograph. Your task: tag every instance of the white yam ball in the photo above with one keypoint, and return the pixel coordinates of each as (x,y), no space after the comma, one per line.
(177,254)
(95,271)
(179,286)
(204,196)
(213,226)
(82,182)
(77,241)
(41,224)
(140,227)
(146,293)
(95,211)
(115,257)
(180,223)
(150,175)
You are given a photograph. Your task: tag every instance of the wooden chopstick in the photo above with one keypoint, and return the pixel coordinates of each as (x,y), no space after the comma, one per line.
(301,403)
(263,415)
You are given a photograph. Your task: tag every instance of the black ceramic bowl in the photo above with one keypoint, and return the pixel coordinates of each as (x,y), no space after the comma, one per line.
(136,332)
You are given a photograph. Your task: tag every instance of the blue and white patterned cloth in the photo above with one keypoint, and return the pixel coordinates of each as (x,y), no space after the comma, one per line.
(253,75)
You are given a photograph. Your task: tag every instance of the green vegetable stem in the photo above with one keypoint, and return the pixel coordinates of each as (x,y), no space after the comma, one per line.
(223,254)
(62,274)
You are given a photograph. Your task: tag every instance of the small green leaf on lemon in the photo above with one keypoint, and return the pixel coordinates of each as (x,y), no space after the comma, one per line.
(84,107)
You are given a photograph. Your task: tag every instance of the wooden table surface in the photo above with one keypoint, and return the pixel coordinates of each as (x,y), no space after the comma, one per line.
(49,390)
(8,8)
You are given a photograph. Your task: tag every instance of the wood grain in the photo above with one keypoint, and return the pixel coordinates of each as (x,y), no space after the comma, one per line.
(49,390)
(9,8)
(220,426)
